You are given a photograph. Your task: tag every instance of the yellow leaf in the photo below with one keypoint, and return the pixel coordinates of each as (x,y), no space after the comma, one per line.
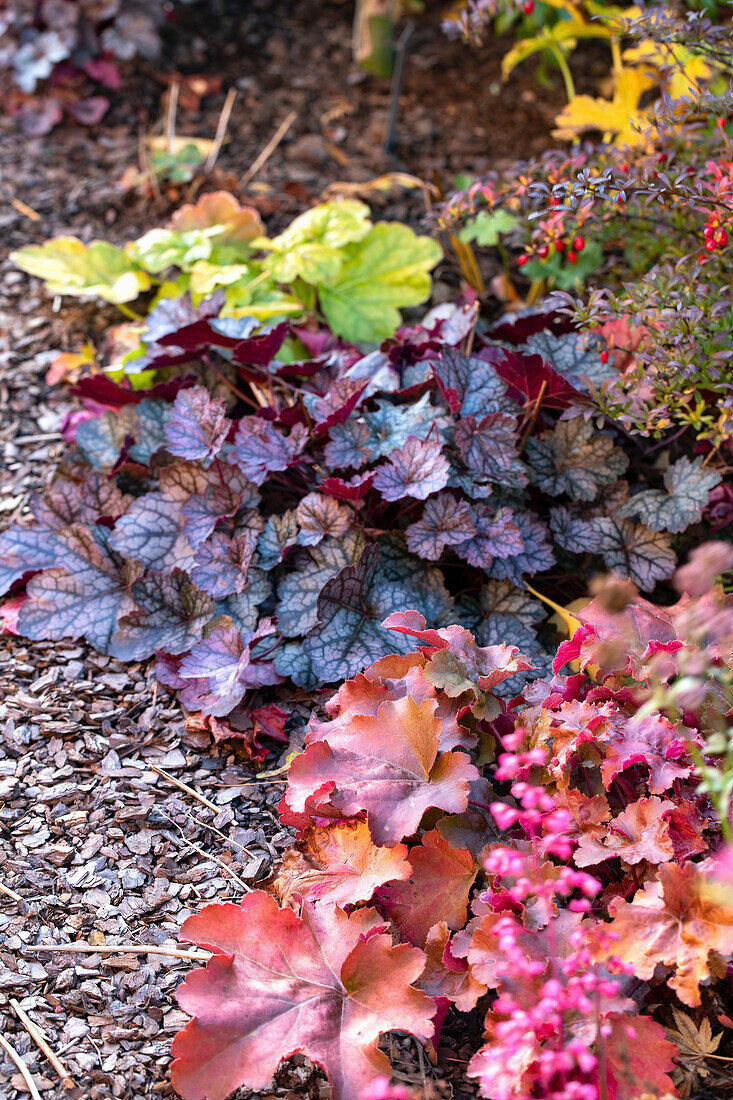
(619,117)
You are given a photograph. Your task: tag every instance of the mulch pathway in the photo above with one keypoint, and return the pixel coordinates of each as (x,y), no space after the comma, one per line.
(96,842)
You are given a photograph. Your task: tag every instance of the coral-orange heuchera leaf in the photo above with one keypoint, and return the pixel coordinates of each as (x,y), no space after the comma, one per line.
(638,832)
(638,1058)
(341,864)
(325,985)
(670,922)
(437,889)
(392,770)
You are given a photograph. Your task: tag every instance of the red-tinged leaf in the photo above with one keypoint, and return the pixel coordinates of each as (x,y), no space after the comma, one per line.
(219,208)
(638,833)
(638,1058)
(270,722)
(340,864)
(487,666)
(197,426)
(104,72)
(260,449)
(416,470)
(260,350)
(355,489)
(326,985)
(393,771)
(626,635)
(84,595)
(564,731)
(100,392)
(437,889)
(525,375)
(654,742)
(223,730)
(74,499)
(518,329)
(337,405)
(9,611)
(447,976)
(670,921)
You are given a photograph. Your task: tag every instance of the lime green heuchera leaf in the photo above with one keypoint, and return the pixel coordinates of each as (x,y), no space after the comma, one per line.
(310,248)
(159,249)
(97,270)
(207,276)
(383,273)
(486,228)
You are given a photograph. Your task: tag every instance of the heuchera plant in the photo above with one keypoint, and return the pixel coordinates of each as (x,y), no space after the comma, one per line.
(255,518)
(52,52)
(542,860)
(331,261)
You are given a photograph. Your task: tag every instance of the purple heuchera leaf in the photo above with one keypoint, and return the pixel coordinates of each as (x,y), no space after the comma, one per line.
(416,470)
(534,558)
(24,550)
(446,521)
(260,449)
(197,426)
(83,596)
(279,534)
(319,515)
(171,614)
(221,564)
(471,386)
(220,668)
(349,445)
(497,536)
(489,449)
(152,532)
(211,502)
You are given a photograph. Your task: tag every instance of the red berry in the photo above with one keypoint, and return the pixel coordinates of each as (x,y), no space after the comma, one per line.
(521,261)
(579,244)
(543,252)
(708,230)
(572,258)
(710,244)
(559,246)
(722,238)
(528,7)
(604,356)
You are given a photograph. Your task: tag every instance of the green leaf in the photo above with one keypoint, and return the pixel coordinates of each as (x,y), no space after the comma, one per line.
(97,270)
(310,248)
(563,275)
(162,248)
(486,228)
(386,271)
